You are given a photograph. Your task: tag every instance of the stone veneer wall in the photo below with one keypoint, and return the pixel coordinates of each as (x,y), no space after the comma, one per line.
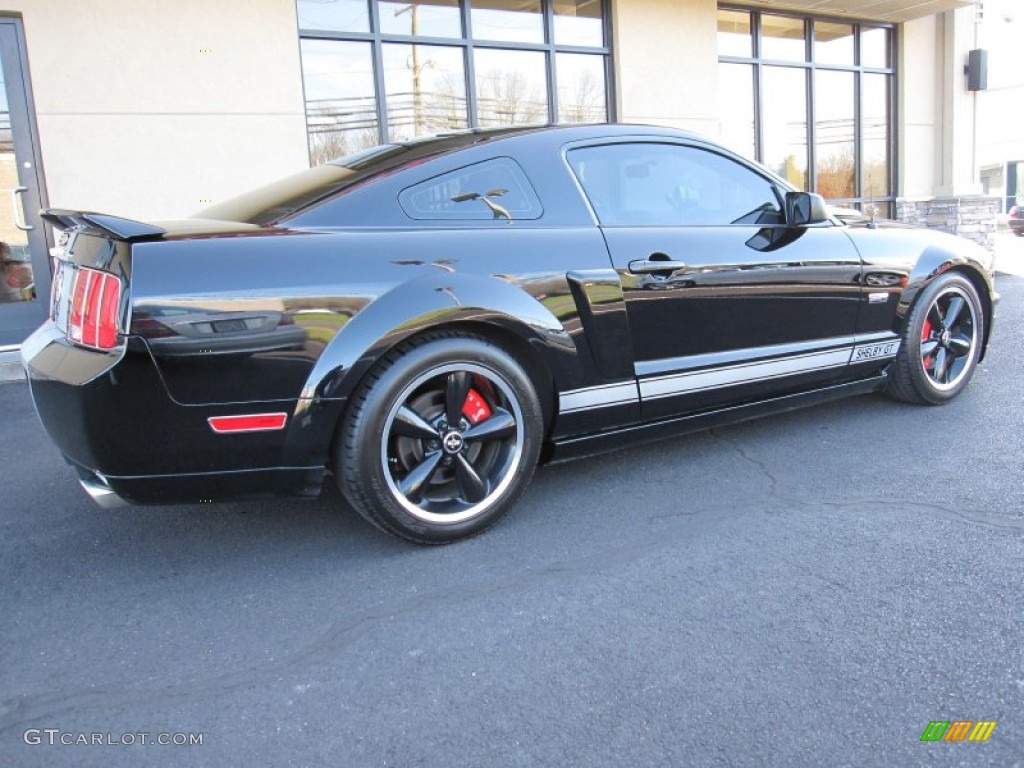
(973,217)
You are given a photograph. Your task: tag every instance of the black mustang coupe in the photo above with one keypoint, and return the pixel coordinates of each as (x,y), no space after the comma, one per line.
(427,321)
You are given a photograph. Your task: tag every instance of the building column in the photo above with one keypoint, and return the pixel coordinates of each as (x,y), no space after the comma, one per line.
(939,184)
(666,63)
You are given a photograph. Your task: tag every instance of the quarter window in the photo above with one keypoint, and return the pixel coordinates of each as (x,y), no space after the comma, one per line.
(672,185)
(495,189)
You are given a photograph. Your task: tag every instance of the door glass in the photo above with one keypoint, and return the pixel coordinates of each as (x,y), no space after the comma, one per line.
(16,278)
(669,185)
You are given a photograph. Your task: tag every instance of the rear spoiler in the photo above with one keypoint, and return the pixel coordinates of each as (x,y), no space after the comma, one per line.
(100,224)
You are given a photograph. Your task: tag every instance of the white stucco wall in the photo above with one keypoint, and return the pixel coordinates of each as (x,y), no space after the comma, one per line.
(147,108)
(919,107)
(666,63)
(940,141)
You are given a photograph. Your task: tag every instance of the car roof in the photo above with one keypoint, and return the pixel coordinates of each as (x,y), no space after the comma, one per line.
(283,199)
(454,140)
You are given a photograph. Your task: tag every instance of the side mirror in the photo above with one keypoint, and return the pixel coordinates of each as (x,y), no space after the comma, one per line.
(804,208)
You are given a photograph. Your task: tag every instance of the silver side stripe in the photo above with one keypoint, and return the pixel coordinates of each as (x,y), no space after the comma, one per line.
(669,365)
(764,370)
(598,397)
(729,376)
(860,349)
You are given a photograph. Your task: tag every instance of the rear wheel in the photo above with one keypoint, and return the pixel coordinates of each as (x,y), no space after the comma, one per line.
(941,342)
(440,440)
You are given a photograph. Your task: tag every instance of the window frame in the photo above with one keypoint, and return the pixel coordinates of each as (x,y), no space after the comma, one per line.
(810,67)
(467,43)
(778,185)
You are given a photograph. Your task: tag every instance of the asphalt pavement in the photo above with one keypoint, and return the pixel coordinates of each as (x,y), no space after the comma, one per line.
(810,589)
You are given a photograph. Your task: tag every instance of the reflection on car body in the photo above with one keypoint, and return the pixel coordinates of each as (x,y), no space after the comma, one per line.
(176,331)
(422,324)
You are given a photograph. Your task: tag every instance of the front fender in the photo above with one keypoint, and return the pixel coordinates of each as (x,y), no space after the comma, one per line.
(914,257)
(937,259)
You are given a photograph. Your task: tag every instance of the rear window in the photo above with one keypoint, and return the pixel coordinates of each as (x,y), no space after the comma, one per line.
(493,189)
(287,196)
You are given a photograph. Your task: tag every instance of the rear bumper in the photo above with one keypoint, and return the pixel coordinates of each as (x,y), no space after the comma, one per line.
(115,422)
(200,488)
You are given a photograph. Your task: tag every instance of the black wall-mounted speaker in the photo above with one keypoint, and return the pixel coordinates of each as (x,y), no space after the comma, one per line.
(977,70)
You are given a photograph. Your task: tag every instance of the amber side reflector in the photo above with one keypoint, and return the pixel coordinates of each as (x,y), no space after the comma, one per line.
(255,422)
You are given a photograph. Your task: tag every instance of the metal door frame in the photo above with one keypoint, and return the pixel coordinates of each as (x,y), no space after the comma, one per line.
(18,319)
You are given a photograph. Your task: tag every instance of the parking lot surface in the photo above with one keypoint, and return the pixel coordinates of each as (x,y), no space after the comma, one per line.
(811,589)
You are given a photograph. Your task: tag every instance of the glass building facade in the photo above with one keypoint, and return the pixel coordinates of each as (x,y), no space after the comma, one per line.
(382,71)
(813,100)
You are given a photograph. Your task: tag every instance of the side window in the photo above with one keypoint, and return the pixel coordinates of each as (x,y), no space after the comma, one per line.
(672,185)
(494,189)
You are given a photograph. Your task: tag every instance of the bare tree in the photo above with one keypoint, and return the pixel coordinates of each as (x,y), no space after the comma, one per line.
(585,104)
(836,174)
(508,98)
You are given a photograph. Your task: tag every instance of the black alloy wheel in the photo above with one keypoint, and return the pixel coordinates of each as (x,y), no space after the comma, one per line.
(941,342)
(441,439)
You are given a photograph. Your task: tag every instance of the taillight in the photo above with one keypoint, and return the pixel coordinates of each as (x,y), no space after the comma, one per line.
(95,305)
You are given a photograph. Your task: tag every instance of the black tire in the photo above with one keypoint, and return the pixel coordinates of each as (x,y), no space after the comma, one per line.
(941,343)
(410,472)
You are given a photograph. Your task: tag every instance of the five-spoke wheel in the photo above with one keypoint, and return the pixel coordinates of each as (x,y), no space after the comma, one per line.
(948,337)
(941,342)
(441,440)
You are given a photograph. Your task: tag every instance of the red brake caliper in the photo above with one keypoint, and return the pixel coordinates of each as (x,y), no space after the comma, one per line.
(926,331)
(475,408)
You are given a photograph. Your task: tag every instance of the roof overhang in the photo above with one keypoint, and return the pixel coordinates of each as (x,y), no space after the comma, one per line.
(871,10)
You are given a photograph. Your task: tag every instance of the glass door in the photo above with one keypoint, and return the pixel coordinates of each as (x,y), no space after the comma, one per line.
(24,265)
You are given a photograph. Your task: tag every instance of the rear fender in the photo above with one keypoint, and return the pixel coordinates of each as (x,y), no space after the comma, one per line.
(425,303)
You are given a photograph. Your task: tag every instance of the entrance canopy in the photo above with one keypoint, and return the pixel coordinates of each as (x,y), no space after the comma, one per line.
(873,10)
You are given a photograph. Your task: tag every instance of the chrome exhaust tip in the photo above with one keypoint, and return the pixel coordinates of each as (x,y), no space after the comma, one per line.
(100,492)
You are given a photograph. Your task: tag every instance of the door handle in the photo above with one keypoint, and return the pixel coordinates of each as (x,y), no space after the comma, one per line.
(652,264)
(19,213)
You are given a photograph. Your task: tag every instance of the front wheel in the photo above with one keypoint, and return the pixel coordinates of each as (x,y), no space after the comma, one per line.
(941,342)
(440,440)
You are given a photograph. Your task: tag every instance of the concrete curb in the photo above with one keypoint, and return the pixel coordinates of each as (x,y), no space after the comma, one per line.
(10,367)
